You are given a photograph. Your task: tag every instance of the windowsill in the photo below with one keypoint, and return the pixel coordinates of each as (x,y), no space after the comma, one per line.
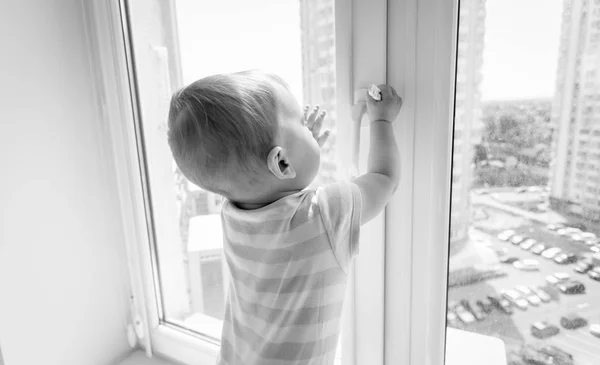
(463,348)
(138,357)
(468,348)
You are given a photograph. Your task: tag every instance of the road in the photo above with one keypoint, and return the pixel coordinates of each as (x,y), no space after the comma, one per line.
(515,329)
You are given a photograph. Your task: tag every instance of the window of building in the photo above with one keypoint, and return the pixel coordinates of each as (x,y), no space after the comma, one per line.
(163,46)
(168,45)
(185,238)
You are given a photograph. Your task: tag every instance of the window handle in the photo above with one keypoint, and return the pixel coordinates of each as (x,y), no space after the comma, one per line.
(359,110)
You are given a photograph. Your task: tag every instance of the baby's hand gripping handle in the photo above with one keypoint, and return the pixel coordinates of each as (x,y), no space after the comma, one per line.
(358,111)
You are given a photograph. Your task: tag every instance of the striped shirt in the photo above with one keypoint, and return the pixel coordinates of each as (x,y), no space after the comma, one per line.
(288,263)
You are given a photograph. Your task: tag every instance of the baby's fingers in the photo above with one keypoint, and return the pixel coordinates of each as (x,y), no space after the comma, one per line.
(316,127)
(312,117)
(305,112)
(323,138)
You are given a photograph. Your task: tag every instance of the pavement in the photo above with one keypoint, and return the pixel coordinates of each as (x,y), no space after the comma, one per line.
(515,329)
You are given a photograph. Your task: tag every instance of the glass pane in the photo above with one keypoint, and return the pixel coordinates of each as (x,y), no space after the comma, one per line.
(295,40)
(525,211)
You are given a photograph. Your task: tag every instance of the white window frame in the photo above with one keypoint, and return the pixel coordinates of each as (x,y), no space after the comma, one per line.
(409,44)
(360,60)
(366,63)
(422,42)
(422,49)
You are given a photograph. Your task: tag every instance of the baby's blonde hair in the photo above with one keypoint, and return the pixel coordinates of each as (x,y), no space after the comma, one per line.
(222,127)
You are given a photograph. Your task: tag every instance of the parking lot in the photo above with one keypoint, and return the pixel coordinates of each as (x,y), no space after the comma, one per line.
(515,329)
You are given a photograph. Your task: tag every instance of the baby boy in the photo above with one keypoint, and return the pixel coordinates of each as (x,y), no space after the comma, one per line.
(288,248)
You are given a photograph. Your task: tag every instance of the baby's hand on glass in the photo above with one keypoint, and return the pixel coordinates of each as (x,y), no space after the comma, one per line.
(314,122)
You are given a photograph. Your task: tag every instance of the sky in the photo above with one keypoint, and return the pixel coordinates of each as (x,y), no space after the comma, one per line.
(519,60)
(219,39)
(520,49)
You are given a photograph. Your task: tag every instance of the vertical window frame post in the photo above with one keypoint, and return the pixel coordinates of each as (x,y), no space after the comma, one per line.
(422,61)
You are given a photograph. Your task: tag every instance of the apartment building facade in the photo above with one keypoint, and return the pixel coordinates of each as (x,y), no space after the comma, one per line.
(575,168)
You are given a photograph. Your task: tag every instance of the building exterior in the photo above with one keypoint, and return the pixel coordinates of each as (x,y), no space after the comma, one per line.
(467,120)
(208,277)
(202,202)
(317,23)
(201,266)
(574,172)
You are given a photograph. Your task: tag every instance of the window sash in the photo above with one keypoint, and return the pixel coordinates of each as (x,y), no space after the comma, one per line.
(360,59)
(422,60)
(108,48)
(368,66)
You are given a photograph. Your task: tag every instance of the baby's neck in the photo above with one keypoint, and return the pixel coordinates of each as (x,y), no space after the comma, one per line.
(251,206)
(264,201)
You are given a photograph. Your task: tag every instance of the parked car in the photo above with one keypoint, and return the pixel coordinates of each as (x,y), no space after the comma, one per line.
(485,304)
(572,287)
(595,248)
(527,265)
(528,244)
(565,258)
(515,298)
(551,252)
(573,321)
(506,259)
(588,235)
(595,330)
(533,357)
(567,231)
(583,267)
(592,242)
(517,239)
(529,295)
(571,230)
(544,330)
(475,310)
(464,315)
(557,278)
(577,237)
(555,226)
(542,294)
(538,249)
(559,356)
(501,303)
(594,273)
(451,319)
(551,279)
(506,235)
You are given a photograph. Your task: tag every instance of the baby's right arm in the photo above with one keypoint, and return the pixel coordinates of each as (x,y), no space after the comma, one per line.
(383,167)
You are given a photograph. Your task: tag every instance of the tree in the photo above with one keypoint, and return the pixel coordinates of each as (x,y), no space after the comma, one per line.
(480,153)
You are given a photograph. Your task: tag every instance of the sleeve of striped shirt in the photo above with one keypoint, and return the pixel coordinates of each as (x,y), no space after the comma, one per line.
(340,209)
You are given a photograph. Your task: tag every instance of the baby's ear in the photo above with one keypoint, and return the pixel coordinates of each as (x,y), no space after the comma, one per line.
(279,164)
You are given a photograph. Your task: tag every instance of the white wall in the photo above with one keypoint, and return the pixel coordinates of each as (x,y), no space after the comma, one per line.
(63,280)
